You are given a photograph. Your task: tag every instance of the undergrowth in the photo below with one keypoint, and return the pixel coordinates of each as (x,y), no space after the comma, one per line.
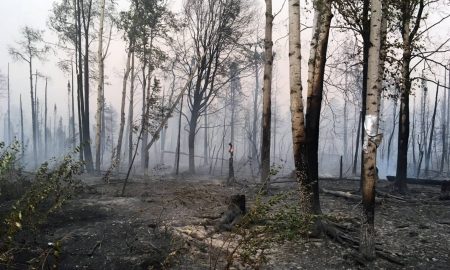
(271,219)
(46,191)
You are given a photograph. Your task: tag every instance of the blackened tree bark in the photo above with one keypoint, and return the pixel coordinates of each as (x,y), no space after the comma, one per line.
(299,143)
(408,9)
(430,141)
(21,129)
(86,11)
(318,55)
(100,91)
(267,93)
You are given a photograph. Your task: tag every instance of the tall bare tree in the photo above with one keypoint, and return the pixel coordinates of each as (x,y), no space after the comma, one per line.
(316,71)
(267,94)
(411,12)
(30,47)
(9,108)
(215,28)
(100,87)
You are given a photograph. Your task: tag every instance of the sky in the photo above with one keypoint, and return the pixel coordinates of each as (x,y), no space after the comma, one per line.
(15,14)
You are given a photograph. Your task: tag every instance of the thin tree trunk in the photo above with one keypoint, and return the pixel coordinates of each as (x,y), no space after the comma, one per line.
(122,106)
(205,139)
(255,111)
(130,113)
(100,95)
(45,122)
(86,126)
(80,92)
(68,113)
(448,120)
(430,142)
(163,133)
(177,157)
(33,113)
(9,111)
(22,147)
(372,138)
(391,136)
(267,94)
(413,135)
(444,127)
(73,111)
(345,152)
(358,135)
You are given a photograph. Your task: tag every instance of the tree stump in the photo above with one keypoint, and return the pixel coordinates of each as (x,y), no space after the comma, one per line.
(445,191)
(235,210)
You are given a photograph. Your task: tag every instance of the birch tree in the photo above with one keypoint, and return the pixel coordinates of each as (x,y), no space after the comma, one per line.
(372,138)
(297,109)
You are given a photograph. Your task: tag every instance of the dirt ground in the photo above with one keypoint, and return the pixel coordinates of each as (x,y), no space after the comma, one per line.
(160,222)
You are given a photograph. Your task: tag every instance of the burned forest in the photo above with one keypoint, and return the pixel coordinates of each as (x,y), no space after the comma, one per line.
(225,134)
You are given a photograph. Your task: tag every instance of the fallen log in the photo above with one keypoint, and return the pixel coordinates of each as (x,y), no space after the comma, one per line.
(419,181)
(387,195)
(347,195)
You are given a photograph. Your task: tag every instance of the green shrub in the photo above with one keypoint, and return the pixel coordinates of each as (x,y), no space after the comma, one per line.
(49,189)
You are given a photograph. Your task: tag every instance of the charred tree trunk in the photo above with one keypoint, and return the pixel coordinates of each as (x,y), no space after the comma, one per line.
(80,93)
(205,138)
(100,90)
(444,127)
(297,111)
(267,93)
(255,111)
(177,156)
(403,130)
(45,123)
(9,110)
(22,141)
(86,126)
(231,178)
(130,114)
(191,140)
(430,142)
(315,91)
(391,136)
(33,113)
(72,120)
(358,135)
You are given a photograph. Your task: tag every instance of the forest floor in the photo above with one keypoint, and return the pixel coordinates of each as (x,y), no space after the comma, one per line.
(162,223)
